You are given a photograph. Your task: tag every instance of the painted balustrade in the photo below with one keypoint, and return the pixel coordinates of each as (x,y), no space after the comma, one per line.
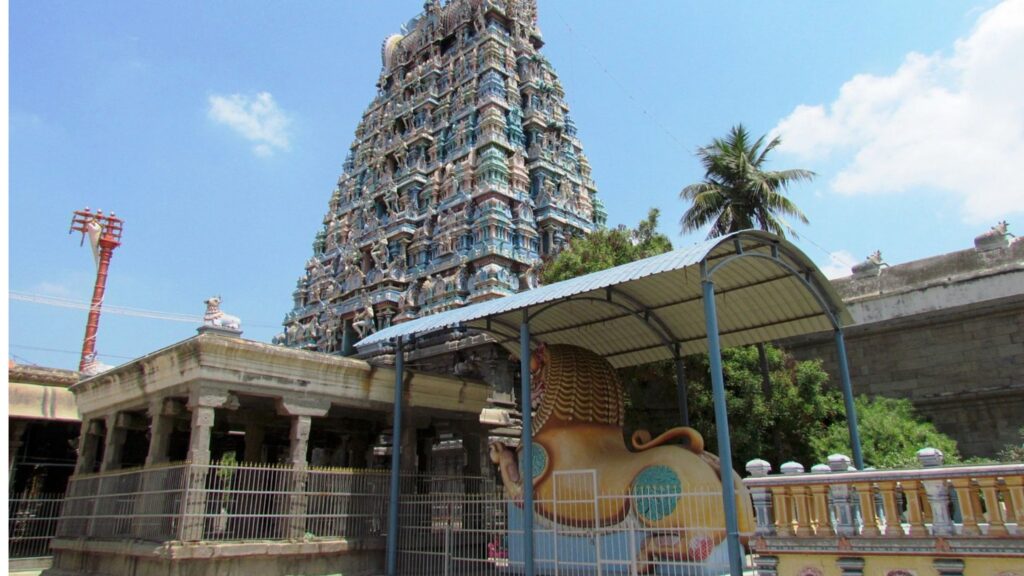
(985,501)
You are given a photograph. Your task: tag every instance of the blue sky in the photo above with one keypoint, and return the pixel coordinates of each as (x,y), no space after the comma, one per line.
(217,131)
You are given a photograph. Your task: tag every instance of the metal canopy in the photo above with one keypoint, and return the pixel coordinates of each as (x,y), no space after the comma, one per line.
(654,309)
(767,289)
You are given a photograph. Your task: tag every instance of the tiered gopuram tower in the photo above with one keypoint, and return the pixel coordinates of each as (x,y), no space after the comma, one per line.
(464,173)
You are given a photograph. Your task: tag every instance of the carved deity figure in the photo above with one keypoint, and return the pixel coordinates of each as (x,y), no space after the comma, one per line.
(391,200)
(380,254)
(363,322)
(528,278)
(408,298)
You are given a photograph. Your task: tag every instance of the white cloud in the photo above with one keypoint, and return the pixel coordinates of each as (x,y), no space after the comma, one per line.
(257,119)
(840,263)
(953,123)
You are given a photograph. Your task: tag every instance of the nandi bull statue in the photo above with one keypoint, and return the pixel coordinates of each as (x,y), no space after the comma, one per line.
(668,494)
(216,317)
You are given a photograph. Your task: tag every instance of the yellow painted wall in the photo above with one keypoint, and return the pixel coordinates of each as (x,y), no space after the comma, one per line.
(806,564)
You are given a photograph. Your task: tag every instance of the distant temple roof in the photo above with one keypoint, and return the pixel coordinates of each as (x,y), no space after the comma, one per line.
(40,393)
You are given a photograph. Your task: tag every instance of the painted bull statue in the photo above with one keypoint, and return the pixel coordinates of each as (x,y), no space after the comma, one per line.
(656,487)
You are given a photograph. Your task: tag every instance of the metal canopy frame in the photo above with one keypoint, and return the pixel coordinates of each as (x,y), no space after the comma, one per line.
(652,309)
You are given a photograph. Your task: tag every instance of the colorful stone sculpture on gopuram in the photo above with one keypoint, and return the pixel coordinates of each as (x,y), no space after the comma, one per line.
(464,172)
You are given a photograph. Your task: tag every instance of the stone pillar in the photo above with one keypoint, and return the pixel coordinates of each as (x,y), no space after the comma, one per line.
(299,437)
(407,445)
(301,412)
(254,434)
(88,443)
(116,432)
(150,503)
(17,431)
(203,404)
(296,522)
(161,425)
(199,441)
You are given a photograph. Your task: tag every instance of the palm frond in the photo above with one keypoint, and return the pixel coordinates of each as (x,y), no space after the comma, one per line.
(736,192)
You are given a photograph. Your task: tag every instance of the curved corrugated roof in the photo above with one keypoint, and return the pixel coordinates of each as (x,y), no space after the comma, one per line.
(766,289)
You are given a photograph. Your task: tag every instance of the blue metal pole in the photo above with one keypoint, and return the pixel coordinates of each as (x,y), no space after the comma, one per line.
(526,442)
(396,462)
(851,410)
(722,427)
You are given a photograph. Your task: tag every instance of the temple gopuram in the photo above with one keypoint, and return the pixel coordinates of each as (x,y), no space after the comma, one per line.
(464,174)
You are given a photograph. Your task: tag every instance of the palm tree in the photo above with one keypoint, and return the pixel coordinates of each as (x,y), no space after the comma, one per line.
(737,193)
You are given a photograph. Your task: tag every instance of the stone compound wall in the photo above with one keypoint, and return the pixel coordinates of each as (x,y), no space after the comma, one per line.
(945,332)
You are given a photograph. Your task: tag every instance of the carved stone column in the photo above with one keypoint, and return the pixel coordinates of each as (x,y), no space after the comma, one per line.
(17,431)
(161,417)
(113,448)
(150,504)
(301,412)
(203,404)
(88,445)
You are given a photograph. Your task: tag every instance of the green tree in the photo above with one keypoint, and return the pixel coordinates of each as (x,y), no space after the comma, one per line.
(1013,452)
(800,409)
(891,433)
(607,248)
(737,192)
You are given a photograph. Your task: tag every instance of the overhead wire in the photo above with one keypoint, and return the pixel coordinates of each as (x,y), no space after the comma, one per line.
(113,309)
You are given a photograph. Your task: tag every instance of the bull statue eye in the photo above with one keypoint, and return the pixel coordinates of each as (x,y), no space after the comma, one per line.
(539,463)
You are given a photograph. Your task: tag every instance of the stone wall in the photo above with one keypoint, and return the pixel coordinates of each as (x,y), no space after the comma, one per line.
(948,334)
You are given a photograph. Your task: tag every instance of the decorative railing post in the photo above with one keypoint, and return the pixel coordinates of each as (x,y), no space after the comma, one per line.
(762,499)
(800,500)
(938,493)
(841,498)
(866,496)
(819,499)
(993,510)
(915,517)
(1014,498)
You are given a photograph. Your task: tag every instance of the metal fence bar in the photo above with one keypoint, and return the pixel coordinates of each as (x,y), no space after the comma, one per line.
(454,525)
(32,523)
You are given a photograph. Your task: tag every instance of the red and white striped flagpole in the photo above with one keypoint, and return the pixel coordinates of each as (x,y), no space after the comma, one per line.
(104,234)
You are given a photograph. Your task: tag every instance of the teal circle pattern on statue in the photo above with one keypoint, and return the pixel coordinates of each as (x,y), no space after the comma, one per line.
(540,460)
(657,490)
